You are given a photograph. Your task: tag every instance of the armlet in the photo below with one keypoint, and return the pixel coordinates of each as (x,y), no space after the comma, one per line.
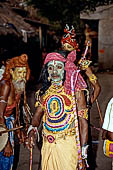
(92,78)
(38,100)
(83,113)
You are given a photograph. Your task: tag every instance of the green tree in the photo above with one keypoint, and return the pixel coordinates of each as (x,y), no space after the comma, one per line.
(60,12)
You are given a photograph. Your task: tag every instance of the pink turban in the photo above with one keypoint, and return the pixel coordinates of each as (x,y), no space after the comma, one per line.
(69,68)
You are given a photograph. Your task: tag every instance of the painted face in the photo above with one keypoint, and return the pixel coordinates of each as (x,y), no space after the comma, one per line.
(68,47)
(56,70)
(19,79)
(19,74)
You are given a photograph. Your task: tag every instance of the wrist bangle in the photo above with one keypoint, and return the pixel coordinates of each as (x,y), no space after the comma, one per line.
(84,151)
(32,128)
(84,154)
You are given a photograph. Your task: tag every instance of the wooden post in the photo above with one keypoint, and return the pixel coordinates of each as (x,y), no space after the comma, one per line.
(40,36)
(112,164)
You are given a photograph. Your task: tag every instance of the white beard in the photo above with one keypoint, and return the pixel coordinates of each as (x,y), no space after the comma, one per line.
(19,86)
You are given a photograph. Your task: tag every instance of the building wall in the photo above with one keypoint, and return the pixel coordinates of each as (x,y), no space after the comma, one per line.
(104,15)
(105,42)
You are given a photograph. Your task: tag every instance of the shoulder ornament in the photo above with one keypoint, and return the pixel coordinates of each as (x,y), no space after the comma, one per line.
(84,64)
(38,100)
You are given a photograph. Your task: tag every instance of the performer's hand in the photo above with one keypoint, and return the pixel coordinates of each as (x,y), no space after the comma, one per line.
(84,164)
(104,132)
(31,138)
(107,135)
(8,151)
(21,136)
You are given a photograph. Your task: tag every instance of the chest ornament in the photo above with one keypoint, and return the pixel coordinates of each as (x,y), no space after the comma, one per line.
(58,111)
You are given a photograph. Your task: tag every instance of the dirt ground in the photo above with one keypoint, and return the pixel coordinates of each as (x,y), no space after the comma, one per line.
(97,159)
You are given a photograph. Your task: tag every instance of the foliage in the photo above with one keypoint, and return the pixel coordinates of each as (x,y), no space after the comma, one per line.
(60,12)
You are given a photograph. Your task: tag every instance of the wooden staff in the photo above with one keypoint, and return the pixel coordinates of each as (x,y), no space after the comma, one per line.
(9,130)
(100,113)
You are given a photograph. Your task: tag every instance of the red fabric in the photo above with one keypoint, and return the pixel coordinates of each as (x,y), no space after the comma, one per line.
(54,56)
(70,68)
(11,107)
(67,100)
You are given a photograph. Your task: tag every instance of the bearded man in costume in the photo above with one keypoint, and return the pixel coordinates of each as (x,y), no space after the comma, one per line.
(61,105)
(12,86)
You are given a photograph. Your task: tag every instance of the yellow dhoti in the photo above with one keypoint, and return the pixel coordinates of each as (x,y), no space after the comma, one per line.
(60,155)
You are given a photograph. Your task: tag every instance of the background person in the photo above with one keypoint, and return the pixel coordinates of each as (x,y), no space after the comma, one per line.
(12,86)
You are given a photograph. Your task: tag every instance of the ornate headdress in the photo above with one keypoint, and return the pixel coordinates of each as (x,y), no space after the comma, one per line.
(19,61)
(68,40)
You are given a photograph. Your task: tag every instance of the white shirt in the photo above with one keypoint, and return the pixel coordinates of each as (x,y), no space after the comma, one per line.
(108,119)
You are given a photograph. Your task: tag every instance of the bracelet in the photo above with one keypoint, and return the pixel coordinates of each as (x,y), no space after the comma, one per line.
(84,151)
(84,154)
(35,130)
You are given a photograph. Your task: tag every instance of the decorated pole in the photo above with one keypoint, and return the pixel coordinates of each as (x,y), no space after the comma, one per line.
(84,55)
(31,158)
(76,119)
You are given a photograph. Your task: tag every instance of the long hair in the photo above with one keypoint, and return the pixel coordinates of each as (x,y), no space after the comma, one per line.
(43,78)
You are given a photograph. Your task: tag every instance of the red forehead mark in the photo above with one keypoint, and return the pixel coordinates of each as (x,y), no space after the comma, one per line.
(54,62)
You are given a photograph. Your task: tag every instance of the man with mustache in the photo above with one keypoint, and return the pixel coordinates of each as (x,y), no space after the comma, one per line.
(12,86)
